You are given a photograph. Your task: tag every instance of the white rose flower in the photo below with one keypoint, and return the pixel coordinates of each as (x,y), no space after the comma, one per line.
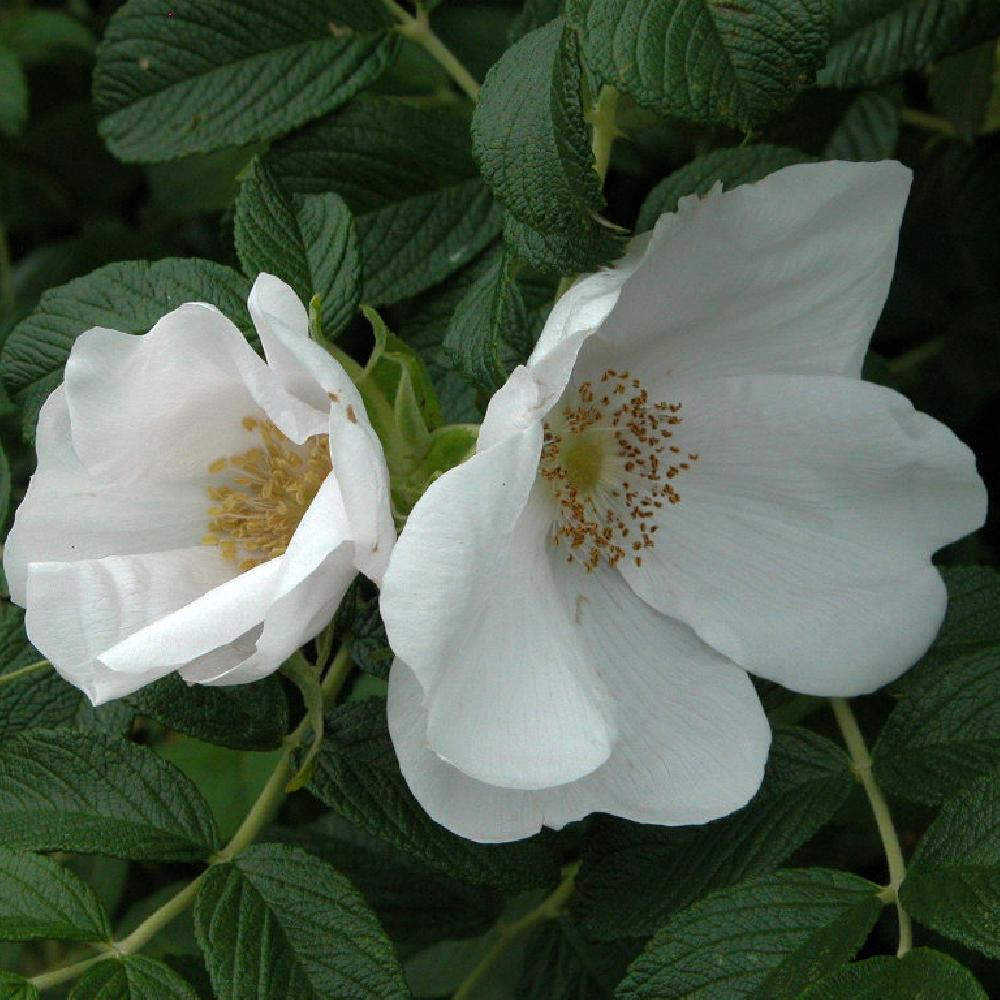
(195,508)
(686,482)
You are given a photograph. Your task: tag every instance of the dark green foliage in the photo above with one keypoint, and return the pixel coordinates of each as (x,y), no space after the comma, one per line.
(133,978)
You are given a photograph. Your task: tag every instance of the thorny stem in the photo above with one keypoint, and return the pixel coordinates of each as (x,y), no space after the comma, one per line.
(418,29)
(548,909)
(927,122)
(31,668)
(261,813)
(862,765)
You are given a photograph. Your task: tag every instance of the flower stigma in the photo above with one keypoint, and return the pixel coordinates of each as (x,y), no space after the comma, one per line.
(271,486)
(610,460)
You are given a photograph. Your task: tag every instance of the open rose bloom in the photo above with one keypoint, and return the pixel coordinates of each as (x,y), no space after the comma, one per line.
(196,508)
(687,482)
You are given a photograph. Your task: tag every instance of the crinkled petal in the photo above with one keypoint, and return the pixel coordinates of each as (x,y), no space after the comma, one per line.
(76,611)
(162,407)
(469,601)
(308,372)
(225,613)
(363,480)
(787,275)
(692,745)
(801,544)
(68,515)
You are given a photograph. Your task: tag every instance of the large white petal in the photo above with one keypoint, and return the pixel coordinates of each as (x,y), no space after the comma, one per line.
(801,545)
(693,738)
(469,601)
(785,275)
(76,611)
(67,514)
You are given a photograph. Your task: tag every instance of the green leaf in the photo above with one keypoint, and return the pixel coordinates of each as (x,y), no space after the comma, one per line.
(868,131)
(953,881)
(945,732)
(414,903)
(764,940)
(534,14)
(533,148)
(358,623)
(278,923)
(489,317)
(4,487)
(38,36)
(706,60)
(962,86)
(229,780)
(560,962)
(222,74)
(246,717)
(133,977)
(13,93)
(634,876)
(880,40)
(733,166)
(41,899)
(357,776)
(408,176)
(919,975)
(129,296)
(35,700)
(86,792)
(308,241)
(14,987)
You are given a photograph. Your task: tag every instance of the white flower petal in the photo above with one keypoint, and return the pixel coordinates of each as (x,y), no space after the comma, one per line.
(468,600)
(68,515)
(309,373)
(363,480)
(162,406)
(76,611)
(785,275)
(693,749)
(801,545)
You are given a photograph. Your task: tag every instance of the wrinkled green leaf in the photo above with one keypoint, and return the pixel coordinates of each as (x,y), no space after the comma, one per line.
(246,717)
(277,923)
(733,166)
(222,74)
(35,700)
(634,876)
(868,131)
(764,940)
(489,318)
(920,975)
(953,880)
(357,776)
(358,624)
(134,977)
(82,791)
(880,40)
(14,987)
(129,296)
(308,241)
(705,60)
(414,903)
(533,149)
(41,899)
(408,176)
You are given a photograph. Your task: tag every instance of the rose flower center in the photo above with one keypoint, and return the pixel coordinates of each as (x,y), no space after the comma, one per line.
(254,515)
(610,460)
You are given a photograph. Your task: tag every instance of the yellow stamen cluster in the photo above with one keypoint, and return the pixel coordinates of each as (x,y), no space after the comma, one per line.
(254,517)
(610,461)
